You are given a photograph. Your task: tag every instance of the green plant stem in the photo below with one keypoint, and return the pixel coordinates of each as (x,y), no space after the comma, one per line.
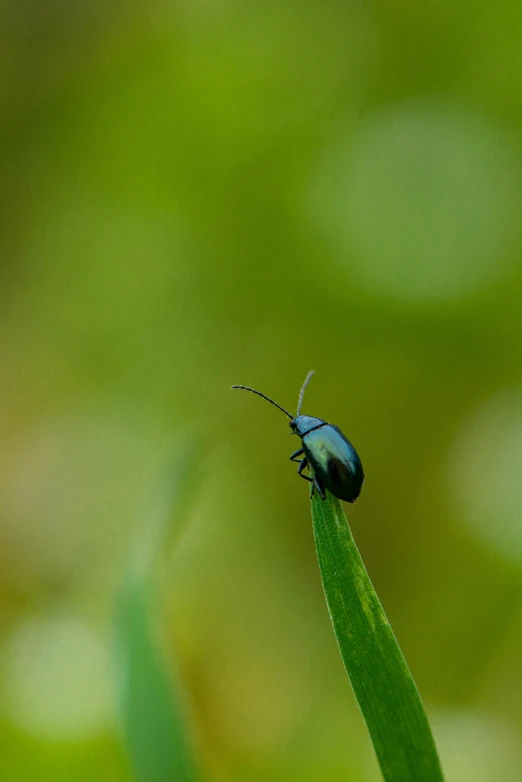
(382,683)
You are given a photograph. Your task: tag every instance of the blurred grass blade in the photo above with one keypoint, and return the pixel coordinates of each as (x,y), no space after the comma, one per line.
(381,680)
(150,699)
(152,714)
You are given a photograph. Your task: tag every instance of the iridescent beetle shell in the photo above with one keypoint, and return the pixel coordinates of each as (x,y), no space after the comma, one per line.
(331,456)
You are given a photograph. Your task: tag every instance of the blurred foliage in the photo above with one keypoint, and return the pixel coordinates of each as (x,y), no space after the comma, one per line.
(155,723)
(206,193)
(154,717)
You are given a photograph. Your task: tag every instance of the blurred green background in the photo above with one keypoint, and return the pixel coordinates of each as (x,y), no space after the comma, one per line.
(202,193)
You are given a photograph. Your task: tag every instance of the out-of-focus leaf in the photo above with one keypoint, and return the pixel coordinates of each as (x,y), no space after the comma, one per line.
(383,685)
(150,697)
(152,712)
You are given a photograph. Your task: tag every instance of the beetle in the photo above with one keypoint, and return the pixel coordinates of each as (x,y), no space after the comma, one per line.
(334,461)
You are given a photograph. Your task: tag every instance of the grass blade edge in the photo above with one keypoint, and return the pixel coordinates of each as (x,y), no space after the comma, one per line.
(381,680)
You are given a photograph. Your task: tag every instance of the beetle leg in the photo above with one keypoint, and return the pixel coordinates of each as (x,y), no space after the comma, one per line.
(303,465)
(320,489)
(299,452)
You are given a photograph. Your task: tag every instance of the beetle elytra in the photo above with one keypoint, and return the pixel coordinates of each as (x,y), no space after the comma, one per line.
(333,459)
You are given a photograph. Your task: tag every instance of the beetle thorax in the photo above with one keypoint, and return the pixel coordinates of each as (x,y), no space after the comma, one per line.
(305,423)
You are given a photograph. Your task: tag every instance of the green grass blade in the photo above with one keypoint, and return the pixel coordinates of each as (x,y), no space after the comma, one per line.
(151,702)
(383,685)
(153,715)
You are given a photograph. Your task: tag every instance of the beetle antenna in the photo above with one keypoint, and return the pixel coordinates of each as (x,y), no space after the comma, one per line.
(246,388)
(302,391)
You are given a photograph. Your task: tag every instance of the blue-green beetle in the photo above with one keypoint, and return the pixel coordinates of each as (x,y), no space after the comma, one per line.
(335,463)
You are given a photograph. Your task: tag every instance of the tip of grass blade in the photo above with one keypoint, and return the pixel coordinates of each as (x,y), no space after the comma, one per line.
(382,683)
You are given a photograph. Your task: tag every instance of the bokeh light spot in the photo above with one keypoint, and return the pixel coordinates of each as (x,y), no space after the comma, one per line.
(421,204)
(484,474)
(477,747)
(55,678)
(69,488)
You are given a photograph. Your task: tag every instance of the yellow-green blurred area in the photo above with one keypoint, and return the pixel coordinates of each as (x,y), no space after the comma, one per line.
(209,192)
